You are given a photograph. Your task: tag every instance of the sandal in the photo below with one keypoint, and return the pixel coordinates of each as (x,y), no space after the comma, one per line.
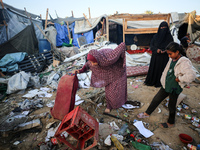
(165,125)
(142,115)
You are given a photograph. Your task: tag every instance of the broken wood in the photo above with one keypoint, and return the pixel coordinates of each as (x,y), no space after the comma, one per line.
(69,35)
(87,20)
(93,94)
(89,100)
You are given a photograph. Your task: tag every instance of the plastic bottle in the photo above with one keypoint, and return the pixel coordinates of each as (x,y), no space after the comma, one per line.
(123,129)
(117,143)
(195,119)
(191,147)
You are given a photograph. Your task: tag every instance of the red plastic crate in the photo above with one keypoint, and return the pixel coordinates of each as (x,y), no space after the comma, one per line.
(81,126)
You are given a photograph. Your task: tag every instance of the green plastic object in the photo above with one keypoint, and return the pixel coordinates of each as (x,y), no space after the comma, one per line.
(67,45)
(70,42)
(140,146)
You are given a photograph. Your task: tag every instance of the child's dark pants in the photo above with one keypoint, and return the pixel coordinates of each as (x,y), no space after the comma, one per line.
(158,98)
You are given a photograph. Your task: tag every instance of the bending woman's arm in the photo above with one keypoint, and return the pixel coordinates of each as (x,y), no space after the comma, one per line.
(84,69)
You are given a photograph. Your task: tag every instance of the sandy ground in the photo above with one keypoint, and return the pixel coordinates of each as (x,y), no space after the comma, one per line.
(31,139)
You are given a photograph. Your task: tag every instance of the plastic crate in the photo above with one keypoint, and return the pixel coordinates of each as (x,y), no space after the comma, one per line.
(82,127)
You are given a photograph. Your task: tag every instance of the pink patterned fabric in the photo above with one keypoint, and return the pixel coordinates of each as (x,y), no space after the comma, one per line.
(111,74)
(136,70)
(193,53)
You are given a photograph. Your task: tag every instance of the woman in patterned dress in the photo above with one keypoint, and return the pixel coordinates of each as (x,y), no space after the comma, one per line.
(108,68)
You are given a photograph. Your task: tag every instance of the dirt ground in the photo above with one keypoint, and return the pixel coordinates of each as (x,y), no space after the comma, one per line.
(33,138)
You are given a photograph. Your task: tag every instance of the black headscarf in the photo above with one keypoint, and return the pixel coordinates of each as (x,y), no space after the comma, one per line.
(163,37)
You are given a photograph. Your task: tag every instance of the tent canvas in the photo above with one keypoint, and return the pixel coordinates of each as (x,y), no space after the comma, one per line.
(78,27)
(13,20)
(24,41)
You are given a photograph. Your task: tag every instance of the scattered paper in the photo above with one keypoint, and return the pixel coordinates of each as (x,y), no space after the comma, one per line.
(129,106)
(114,125)
(78,100)
(145,132)
(35,92)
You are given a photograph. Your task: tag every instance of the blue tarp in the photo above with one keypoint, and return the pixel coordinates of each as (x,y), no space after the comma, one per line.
(9,62)
(88,35)
(62,35)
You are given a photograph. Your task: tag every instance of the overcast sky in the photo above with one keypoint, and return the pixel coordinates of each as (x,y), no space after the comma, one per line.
(64,8)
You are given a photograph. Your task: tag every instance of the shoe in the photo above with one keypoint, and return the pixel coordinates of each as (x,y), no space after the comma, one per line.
(165,125)
(142,115)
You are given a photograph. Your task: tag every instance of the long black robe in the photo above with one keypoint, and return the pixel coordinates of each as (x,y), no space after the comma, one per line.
(158,60)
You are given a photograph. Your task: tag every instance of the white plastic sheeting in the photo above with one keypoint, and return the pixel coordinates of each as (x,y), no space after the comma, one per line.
(18,82)
(138,59)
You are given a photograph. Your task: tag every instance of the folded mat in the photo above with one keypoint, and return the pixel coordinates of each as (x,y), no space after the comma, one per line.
(136,70)
(65,96)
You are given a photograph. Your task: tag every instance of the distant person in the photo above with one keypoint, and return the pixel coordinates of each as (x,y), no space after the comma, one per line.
(177,74)
(108,68)
(159,56)
(185,41)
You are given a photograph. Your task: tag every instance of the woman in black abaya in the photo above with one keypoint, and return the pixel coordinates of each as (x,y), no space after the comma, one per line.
(159,56)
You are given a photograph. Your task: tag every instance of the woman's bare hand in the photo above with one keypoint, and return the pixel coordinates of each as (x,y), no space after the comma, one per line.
(159,51)
(75,71)
(177,80)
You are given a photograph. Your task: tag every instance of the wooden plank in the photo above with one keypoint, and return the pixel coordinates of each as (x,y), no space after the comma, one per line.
(142,32)
(141,29)
(107,28)
(123,31)
(102,29)
(89,12)
(69,35)
(139,16)
(28,16)
(72,14)
(144,19)
(87,20)
(4,21)
(46,18)
(2,4)
(168,19)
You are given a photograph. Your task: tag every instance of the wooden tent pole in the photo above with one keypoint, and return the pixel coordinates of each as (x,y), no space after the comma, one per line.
(4,21)
(89,12)
(72,14)
(68,30)
(123,30)
(27,15)
(87,20)
(54,47)
(2,4)
(102,29)
(168,19)
(107,28)
(56,52)
(46,18)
